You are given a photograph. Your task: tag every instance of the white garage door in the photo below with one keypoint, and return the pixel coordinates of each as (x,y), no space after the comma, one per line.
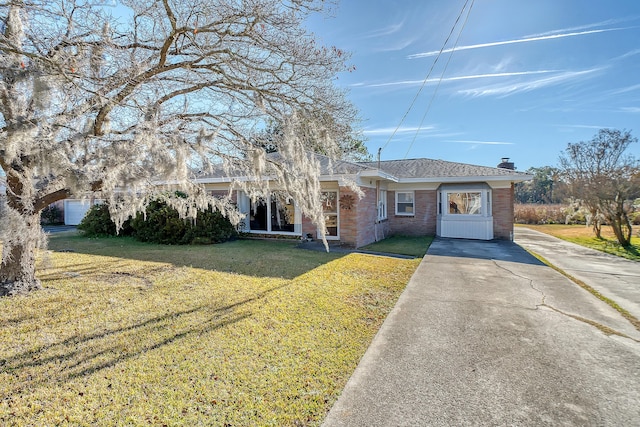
(75,210)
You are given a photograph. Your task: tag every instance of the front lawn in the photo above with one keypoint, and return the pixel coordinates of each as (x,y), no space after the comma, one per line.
(403,245)
(584,236)
(242,333)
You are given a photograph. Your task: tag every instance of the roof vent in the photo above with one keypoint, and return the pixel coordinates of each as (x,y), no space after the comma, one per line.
(506,164)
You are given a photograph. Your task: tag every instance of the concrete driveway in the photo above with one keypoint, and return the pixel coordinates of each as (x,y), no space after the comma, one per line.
(484,334)
(616,278)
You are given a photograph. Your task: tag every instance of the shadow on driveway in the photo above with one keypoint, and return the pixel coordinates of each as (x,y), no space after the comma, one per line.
(499,250)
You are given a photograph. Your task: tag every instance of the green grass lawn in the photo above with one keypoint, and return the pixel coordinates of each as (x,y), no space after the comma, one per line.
(584,236)
(243,333)
(403,245)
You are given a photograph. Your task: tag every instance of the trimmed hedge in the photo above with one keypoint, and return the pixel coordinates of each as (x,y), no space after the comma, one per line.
(162,225)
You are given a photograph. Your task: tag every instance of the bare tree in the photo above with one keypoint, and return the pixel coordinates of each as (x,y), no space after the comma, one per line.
(129,102)
(605,178)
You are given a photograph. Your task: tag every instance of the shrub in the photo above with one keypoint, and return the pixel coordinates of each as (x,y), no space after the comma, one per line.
(540,214)
(210,227)
(97,223)
(51,215)
(163,225)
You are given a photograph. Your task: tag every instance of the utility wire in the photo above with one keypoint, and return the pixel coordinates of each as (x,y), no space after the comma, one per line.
(435,92)
(424,82)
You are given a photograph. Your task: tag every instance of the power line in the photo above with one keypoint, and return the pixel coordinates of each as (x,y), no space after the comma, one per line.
(424,82)
(435,92)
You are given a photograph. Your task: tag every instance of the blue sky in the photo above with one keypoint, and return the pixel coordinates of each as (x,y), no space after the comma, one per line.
(526,77)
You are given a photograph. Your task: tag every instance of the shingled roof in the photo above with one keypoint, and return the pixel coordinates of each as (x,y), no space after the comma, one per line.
(407,169)
(430,168)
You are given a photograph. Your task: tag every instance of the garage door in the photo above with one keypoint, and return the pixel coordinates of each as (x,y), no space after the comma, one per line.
(75,210)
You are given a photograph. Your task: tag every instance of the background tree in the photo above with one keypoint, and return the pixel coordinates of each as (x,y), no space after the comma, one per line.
(350,144)
(545,187)
(604,177)
(90,101)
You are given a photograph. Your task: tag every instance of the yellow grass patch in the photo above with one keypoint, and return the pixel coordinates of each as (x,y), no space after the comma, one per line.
(120,341)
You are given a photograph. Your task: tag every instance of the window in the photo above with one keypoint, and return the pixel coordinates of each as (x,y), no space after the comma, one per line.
(279,215)
(382,205)
(469,203)
(283,214)
(330,209)
(258,215)
(404,203)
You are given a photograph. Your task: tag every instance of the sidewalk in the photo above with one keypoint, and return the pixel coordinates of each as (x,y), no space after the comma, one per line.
(614,277)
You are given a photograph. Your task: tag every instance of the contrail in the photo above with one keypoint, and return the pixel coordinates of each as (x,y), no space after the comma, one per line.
(526,40)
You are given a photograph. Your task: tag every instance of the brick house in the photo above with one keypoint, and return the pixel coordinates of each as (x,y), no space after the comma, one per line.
(410,197)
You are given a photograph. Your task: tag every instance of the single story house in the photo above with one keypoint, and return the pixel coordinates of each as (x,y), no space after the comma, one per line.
(410,197)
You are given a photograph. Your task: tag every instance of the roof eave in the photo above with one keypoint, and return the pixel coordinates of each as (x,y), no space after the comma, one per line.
(377,173)
(478,178)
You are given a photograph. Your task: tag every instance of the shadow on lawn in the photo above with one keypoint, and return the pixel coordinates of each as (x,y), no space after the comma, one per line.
(83,355)
(258,258)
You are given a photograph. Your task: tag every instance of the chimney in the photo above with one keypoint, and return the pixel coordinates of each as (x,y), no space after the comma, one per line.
(506,164)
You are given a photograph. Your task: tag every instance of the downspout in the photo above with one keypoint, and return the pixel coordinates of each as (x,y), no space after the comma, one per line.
(376,221)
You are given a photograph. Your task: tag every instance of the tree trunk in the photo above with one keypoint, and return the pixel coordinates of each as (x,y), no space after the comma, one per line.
(622,229)
(597,227)
(22,233)
(18,272)
(596,224)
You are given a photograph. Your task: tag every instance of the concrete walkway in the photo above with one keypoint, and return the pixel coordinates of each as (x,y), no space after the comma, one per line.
(614,277)
(484,334)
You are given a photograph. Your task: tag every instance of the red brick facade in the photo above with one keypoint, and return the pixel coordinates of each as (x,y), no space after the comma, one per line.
(358,224)
(502,209)
(423,222)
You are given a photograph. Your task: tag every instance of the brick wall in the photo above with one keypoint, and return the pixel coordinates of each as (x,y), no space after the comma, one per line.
(348,217)
(502,209)
(368,230)
(308,228)
(423,222)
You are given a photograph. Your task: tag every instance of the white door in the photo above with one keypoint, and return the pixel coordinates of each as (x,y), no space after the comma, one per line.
(75,210)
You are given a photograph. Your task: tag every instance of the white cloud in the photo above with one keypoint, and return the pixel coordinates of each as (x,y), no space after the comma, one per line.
(583,126)
(629,54)
(626,89)
(507,42)
(527,86)
(398,44)
(586,26)
(467,141)
(630,109)
(386,31)
(401,130)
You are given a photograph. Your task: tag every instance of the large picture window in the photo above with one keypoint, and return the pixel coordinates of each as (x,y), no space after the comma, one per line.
(467,203)
(282,214)
(405,203)
(279,215)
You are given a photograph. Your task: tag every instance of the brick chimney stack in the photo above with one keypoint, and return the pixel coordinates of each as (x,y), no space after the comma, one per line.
(506,164)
